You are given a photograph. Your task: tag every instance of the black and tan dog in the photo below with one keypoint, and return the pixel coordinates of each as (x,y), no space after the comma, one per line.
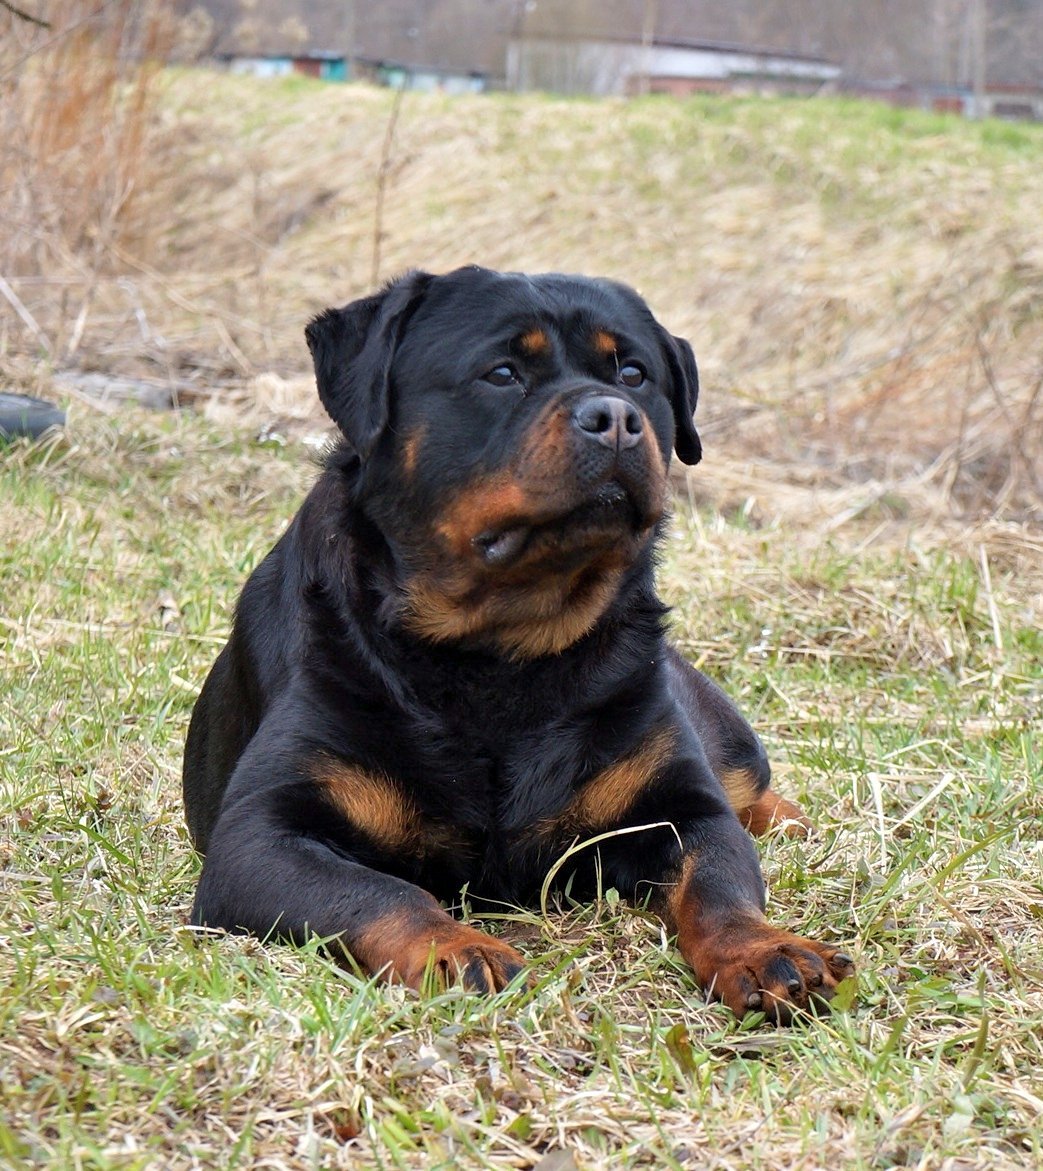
(452,665)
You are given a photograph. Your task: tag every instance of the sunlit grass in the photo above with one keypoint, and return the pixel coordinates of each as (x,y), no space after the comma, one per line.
(899,695)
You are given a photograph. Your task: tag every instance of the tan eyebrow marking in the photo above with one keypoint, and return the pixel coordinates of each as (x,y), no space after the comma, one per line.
(534,343)
(604,342)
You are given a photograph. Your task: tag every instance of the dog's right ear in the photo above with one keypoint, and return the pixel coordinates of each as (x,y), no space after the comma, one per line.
(352,349)
(684,395)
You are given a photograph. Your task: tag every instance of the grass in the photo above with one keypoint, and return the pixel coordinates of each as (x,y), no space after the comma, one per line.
(863,285)
(857,561)
(896,682)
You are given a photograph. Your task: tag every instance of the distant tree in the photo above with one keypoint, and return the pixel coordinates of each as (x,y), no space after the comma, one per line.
(293,32)
(911,40)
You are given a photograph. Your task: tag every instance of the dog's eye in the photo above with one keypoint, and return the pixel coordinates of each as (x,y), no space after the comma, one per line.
(501,376)
(631,374)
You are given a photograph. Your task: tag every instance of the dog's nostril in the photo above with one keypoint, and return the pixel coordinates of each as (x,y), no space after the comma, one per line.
(597,415)
(610,421)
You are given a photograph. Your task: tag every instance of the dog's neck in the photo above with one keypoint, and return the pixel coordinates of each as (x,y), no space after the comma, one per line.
(353,580)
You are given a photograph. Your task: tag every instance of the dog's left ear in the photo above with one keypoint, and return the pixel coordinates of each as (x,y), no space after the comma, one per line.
(352,349)
(685,376)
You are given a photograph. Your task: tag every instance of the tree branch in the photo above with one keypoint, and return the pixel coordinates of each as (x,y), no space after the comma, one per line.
(24,15)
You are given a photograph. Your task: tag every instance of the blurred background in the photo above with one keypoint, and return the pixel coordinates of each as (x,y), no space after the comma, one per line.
(840,205)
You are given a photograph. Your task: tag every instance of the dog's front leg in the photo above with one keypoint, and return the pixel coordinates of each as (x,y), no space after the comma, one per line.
(715,906)
(269,877)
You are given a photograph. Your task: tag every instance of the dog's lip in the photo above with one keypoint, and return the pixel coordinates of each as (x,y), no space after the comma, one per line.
(506,543)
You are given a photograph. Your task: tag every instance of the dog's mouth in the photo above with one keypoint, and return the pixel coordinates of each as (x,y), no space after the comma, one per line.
(610,510)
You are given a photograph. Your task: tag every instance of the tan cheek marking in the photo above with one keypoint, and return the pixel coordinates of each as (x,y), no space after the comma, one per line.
(524,492)
(489,503)
(656,463)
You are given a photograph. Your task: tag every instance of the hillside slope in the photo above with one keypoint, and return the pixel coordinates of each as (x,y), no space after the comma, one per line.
(864,287)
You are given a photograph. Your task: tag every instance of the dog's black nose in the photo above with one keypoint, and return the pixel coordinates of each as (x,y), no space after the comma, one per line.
(609,420)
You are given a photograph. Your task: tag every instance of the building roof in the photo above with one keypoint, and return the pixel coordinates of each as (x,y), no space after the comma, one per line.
(697,46)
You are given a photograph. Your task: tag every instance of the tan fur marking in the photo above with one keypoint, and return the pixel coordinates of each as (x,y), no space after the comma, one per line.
(438,615)
(535,343)
(655,456)
(735,954)
(605,799)
(676,905)
(547,452)
(527,490)
(526,622)
(604,342)
(410,450)
(490,503)
(770,811)
(761,810)
(372,803)
(740,787)
(550,636)
(401,944)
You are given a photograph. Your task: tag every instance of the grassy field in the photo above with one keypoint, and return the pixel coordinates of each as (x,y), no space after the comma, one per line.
(863,286)
(858,560)
(898,690)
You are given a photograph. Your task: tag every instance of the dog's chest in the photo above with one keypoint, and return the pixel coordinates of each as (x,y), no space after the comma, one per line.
(499,750)
(486,806)
(497,789)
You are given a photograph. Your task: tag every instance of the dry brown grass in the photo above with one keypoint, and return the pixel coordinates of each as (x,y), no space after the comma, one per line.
(76,118)
(865,290)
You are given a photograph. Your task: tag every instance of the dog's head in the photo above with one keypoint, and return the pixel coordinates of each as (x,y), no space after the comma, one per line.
(513,435)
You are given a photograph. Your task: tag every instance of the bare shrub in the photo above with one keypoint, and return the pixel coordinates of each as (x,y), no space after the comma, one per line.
(76,106)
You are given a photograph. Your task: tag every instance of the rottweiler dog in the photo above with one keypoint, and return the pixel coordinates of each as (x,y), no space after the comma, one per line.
(452,666)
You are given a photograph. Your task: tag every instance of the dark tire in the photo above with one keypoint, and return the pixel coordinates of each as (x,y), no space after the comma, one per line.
(24,417)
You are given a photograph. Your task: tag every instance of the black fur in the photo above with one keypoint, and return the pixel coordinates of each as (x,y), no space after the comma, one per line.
(393,637)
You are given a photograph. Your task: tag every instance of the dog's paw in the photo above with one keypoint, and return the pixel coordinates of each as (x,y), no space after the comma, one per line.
(753,967)
(471,958)
(426,948)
